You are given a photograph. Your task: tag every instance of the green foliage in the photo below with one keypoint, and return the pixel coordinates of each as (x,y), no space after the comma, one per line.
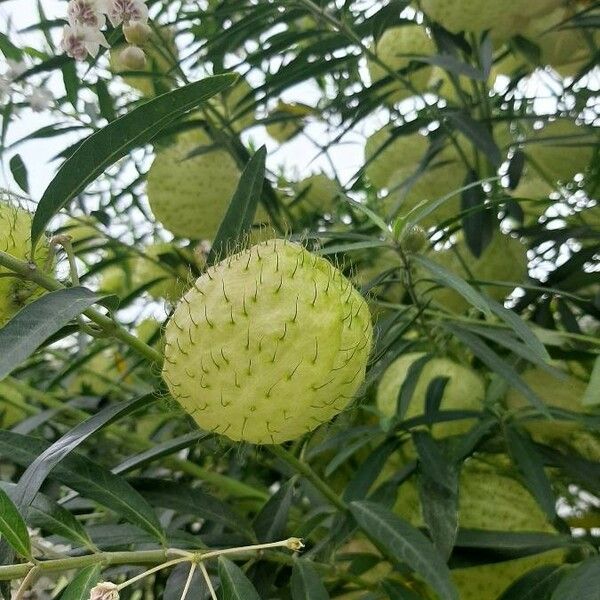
(443,164)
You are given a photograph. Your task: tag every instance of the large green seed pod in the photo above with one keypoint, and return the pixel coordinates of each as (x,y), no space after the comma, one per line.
(268,344)
(504,19)
(464,391)
(397,48)
(15,228)
(562,149)
(383,158)
(565,394)
(316,193)
(503,260)
(190,196)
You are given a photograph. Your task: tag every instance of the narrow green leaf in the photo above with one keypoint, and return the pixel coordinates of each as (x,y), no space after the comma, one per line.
(522,329)
(242,208)
(193,501)
(438,490)
(452,65)
(37,321)
(35,474)
(50,516)
(537,584)
(9,49)
(498,365)
(531,466)
(81,585)
(235,585)
(449,279)
(478,133)
(401,542)
(105,101)
(105,147)
(19,172)
(583,582)
(86,477)
(71,81)
(271,521)
(396,591)
(305,582)
(478,221)
(592,392)
(12,526)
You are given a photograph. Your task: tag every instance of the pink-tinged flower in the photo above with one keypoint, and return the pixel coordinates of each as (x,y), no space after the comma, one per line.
(86,12)
(79,41)
(125,11)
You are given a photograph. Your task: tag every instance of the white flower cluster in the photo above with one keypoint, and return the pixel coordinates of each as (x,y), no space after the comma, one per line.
(83,35)
(37,97)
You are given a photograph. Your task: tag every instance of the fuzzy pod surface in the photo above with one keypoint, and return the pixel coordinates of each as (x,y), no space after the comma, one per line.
(465,390)
(190,195)
(396,48)
(385,156)
(15,239)
(268,344)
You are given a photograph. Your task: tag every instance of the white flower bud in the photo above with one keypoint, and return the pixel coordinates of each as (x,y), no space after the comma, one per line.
(105,591)
(133,58)
(137,32)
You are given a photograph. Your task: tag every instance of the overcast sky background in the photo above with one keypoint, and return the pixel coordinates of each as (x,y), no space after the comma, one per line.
(299,156)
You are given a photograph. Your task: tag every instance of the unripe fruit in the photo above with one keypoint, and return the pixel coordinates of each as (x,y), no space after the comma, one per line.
(565,394)
(15,239)
(403,154)
(116,279)
(160,59)
(372,264)
(288,121)
(190,196)
(317,193)
(503,260)
(137,33)
(504,19)
(132,58)
(236,104)
(397,48)
(442,177)
(488,582)
(562,149)
(565,49)
(268,344)
(147,329)
(413,239)
(464,391)
(173,279)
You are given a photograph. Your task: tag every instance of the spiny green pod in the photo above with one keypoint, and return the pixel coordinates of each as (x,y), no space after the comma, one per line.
(397,48)
(504,19)
(384,157)
(465,390)
(564,394)
(190,195)
(316,193)
(268,344)
(503,260)
(562,149)
(15,239)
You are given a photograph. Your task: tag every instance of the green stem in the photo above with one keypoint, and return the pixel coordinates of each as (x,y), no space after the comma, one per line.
(305,470)
(110,326)
(236,488)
